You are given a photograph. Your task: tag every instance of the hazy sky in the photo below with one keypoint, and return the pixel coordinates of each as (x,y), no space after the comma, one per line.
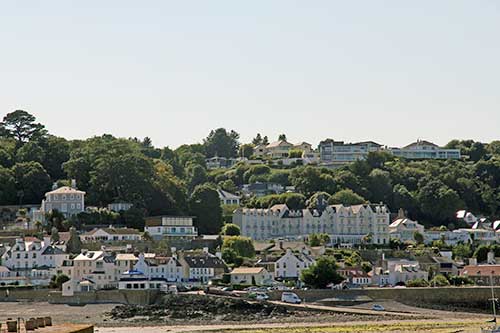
(389,71)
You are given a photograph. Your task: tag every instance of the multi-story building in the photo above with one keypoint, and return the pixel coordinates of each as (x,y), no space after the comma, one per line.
(336,153)
(404,229)
(120,206)
(202,267)
(281,149)
(171,227)
(395,271)
(451,238)
(96,268)
(344,224)
(111,234)
(260,189)
(67,200)
(290,265)
(422,149)
(167,268)
(34,261)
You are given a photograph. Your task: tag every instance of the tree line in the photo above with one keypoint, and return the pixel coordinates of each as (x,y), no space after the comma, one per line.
(160,181)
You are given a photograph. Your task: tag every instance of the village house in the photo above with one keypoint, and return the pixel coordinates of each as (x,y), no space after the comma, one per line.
(170,227)
(483,275)
(405,229)
(290,265)
(227,198)
(396,271)
(32,261)
(255,276)
(111,234)
(166,268)
(67,200)
(202,267)
(422,149)
(355,276)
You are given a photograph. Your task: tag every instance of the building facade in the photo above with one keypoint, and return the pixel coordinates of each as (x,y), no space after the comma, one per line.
(67,200)
(344,224)
(422,149)
(339,153)
(171,227)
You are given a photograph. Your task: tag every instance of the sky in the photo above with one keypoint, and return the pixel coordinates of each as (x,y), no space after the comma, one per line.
(388,71)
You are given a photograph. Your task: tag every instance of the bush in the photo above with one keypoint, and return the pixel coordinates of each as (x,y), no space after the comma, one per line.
(417,283)
(439,281)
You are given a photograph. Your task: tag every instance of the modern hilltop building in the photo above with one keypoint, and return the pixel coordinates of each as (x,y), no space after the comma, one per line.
(422,149)
(339,153)
(344,224)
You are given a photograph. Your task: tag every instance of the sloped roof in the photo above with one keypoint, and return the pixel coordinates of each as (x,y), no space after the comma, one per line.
(279,143)
(65,190)
(226,195)
(52,250)
(247,270)
(204,261)
(115,231)
(483,270)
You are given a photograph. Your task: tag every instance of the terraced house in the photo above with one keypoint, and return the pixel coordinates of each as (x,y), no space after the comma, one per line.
(344,224)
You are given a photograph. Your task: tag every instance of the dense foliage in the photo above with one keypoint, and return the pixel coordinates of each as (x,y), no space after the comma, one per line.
(165,181)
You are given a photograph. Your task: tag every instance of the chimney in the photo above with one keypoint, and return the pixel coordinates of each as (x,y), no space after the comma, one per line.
(73,183)
(46,240)
(473,261)
(281,244)
(54,186)
(401,213)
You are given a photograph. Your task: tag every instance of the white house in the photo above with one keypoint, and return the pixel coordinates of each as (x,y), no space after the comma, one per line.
(67,200)
(111,234)
(202,267)
(422,149)
(404,229)
(396,271)
(257,276)
(227,198)
(167,268)
(290,265)
(33,260)
(137,280)
(98,267)
(171,227)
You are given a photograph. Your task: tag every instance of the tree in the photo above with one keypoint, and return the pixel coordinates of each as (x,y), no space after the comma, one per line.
(21,126)
(265,140)
(322,273)
(246,150)
(222,143)
(57,281)
(7,186)
(416,283)
(204,204)
(438,202)
(282,137)
(318,200)
(257,140)
(229,186)
(242,246)
(295,153)
(231,229)
(462,251)
(54,235)
(439,281)
(380,186)
(481,253)
(419,238)
(74,245)
(55,220)
(346,197)
(195,175)
(32,181)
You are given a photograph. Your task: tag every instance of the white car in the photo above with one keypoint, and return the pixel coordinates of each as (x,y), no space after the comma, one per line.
(378,307)
(261,296)
(288,297)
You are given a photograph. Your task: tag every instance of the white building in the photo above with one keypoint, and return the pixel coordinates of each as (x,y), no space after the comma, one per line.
(33,260)
(290,265)
(344,224)
(451,238)
(397,271)
(422,149)
(136,280)
(257,276)
(167,268)
(227,198)
(336,153)
(67,200)
(119,206)
(202,267)
(111,234)
(171,227)
(96,267)
(404,229)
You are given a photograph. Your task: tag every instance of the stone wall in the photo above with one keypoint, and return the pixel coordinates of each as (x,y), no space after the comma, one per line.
(461,297)
(137,297)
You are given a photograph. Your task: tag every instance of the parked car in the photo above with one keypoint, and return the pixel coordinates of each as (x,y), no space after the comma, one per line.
(289,297)
(378,307)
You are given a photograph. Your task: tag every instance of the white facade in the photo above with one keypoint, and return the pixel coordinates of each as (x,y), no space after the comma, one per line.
(344,224)
(257,276)
(171,227)
(111,235)
(227,198)
(33,260)
(422,149)
(339,153)
(169,269)
(67,200)
(97,267)
(404,229)
(290,265)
